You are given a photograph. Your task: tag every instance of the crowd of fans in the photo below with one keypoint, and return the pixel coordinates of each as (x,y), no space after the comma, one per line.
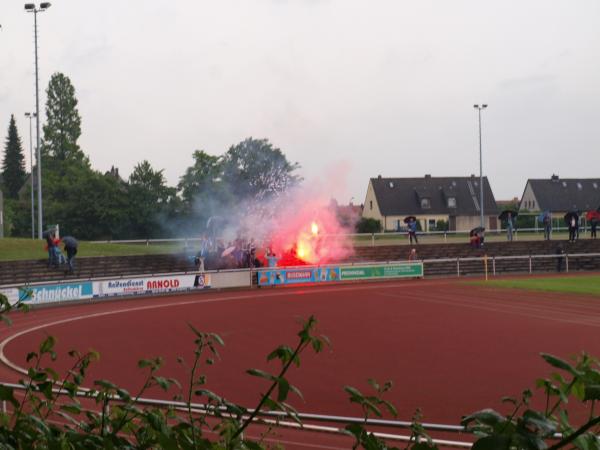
(240,253)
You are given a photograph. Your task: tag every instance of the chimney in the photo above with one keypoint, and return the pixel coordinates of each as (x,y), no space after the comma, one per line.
(427,175)
(379,177)
(554,177)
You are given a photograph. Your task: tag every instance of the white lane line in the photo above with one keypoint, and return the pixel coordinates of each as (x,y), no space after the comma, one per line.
(458,303)
(300,290)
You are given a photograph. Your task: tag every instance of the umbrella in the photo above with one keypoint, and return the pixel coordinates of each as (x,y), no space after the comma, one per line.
(70,241)
(228,251)
(409,219)
(48,232)
(593,215)
(543,216)
(476,230)
(504,214)
(571,214)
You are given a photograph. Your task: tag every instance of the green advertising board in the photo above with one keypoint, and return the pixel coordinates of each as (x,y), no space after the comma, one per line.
(383,271)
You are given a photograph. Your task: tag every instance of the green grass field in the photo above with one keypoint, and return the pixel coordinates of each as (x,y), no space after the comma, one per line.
(14,249)
(583,284)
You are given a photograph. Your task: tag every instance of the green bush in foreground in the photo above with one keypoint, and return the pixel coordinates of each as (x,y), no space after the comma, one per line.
(51,415)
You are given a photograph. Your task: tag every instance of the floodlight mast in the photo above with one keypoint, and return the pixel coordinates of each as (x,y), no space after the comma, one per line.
(479,108)
(30,7)
(31,116)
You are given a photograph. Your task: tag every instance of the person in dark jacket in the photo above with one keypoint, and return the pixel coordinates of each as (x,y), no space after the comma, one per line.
(412,231)
(71,250)
(559,258)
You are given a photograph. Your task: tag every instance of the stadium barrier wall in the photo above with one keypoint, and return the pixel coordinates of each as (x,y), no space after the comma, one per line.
(231,279)
(44,293)
(61,291)
(323,274)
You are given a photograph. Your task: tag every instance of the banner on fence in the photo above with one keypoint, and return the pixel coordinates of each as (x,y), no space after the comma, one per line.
(382,271)
(12,294)
(56,292)
(274,277)
(133,286)
(294,276)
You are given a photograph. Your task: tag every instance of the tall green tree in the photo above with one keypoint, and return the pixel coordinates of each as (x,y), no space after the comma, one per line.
(63,123)
(13,164)
(202,177)
(149,198)
(255,169)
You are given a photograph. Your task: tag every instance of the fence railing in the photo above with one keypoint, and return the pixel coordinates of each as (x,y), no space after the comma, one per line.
(385,429)
(389,238)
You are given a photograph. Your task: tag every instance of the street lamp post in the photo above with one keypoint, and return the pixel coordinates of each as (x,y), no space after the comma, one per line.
(479,108)
(31,116)
(30,7)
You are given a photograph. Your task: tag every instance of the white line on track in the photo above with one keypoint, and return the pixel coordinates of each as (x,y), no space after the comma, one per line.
(504,308)
(300,290)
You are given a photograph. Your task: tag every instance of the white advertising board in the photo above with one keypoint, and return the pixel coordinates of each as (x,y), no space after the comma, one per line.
(136,286)
(12,294)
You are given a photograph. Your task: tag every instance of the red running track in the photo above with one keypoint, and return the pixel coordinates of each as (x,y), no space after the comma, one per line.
(449,348)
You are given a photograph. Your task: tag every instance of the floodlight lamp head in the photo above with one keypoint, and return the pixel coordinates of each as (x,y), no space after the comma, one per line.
(45,5)
(483,106)
(29,6)
(475,106)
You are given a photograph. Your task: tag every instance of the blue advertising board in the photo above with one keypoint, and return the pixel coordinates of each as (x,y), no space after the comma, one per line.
(273,277)
(56,292)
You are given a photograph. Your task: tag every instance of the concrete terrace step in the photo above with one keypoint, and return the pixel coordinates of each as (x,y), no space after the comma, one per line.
(28,271)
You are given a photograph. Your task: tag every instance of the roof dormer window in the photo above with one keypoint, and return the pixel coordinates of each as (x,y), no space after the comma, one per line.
(451,202)
(425,203)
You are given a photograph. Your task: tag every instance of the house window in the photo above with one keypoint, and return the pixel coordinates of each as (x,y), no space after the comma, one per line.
(425,203)
(431,225)
(451,202)
(371,204)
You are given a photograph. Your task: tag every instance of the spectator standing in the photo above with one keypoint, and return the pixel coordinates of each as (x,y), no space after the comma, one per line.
(509,227)
(71,250)
(547,226)
(594,225)
(572,229)
(50,245)
(412,255)
(559,258)
(412,231)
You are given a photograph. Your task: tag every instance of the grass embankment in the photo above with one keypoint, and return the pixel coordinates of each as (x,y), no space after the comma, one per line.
(12,249)
(581,284)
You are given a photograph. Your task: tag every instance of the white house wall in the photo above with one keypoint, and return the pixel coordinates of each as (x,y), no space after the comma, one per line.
(528,201)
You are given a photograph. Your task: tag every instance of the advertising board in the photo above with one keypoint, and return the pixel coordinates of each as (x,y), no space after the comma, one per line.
(12,294)
(56,292)
(274,277)
(382,271)
(133,286)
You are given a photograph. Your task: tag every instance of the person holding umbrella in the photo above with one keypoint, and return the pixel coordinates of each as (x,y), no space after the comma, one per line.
(411,222)
(572,220)
(71,245)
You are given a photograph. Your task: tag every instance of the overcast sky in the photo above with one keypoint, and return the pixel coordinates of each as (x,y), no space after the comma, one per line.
(372,87)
